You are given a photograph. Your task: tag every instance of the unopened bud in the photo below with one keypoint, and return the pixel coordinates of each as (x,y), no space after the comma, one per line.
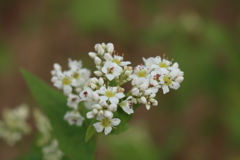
(179,79)
(152,95)
(97,106)
(96,47)
(135,81)
(95,96)
(90,115)
(108,114)
(100,81)
(108,56)
(147,92)
(100,51)
(97,60)
(110,48)
(95,111)
(98,73)
(135,91)
(143,100)
(143,87)
(112,107)
(92,54)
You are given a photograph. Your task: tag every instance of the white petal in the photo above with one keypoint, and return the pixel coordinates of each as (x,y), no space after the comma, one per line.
(127,110)
(110,76)
(165,89)
(90,115)
(114,100)
(103,98)
(115,121)
(120,95)
(174,85)
(98,127)
(124,63)
(104,69)
(67,89)
(179,79)
(154,89)
(58,84)
(107,130)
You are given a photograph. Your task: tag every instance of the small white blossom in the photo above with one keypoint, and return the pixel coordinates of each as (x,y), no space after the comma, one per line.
(142,73)
(127,105)
(74,65)
(162,63)
(110,94)
(111,70)
(74,117)
(106,124)
(73,101)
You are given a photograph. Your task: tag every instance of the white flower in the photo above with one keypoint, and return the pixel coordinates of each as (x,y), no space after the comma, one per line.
(74,117)
(51,151)
(65,82)
(74,64)
(106,124)
(116,59)
(148,62)
(111,70)
(57,69)
(168,80)
(162,63)
(127,105)
(73,101)
(110,94)
(142,73)
(88,95)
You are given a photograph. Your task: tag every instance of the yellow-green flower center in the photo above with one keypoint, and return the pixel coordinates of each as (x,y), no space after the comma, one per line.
(116,61)
(163,65)
(66,81)
(109,93)
(76,75)
(142,73)
(106,122)
(167,80)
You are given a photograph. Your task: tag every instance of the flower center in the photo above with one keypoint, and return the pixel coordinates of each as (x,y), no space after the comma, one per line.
(167,80)
(110,70)
(142,73)
(76,75)
(163,65)
(106,122)
(109,93)
(117,61)
(66,81)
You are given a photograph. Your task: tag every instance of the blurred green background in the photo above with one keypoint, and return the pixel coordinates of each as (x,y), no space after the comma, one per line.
(200,121)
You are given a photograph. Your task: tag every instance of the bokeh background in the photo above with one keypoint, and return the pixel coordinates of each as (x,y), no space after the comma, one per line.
(200,121)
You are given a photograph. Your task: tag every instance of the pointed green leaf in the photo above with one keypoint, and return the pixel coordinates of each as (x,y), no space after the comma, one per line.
(90,131)
(71,139)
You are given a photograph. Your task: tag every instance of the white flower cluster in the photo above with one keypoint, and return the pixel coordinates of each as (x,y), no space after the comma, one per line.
(45,140)
(14,124)
(106,95)
(72,83)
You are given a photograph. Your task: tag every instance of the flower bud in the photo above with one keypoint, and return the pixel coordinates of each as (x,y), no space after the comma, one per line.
(95,111)
(93,86)
(97,106)
(147,92)
(175,65)
(95,96)
(100,81)
(100,51)
(54,79)
(143,87)
(181,73)
(90,115)
(128,72)
(155,103)
(135,91)
(100,113)
(92,54)
(110,48)
(98,73)
(108,114)
(97,46)
(134,100)
(108,56)
(94,80)
(103,45)
(135,81)
(179,79)
(148,106)
(143,100)
(97,60)
(112,107)
(152,95)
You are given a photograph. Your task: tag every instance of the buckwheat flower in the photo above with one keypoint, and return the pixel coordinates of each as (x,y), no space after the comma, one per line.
(74,117)
(168,80)
(148,62)
(80,76)
(74,64)
(56,69)
(65,82)
(127,105)
(106,124)
(141,72)
(162,63)
(73,101)
(116,59)
(111,70)
(88,95)
(110,94)
(51,151)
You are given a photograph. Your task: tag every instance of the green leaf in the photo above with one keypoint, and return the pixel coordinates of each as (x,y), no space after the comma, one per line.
(125,118)
(70,138)
(90,131)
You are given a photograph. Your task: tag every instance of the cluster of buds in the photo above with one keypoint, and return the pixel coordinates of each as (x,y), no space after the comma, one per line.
(104,95)
(14,124)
